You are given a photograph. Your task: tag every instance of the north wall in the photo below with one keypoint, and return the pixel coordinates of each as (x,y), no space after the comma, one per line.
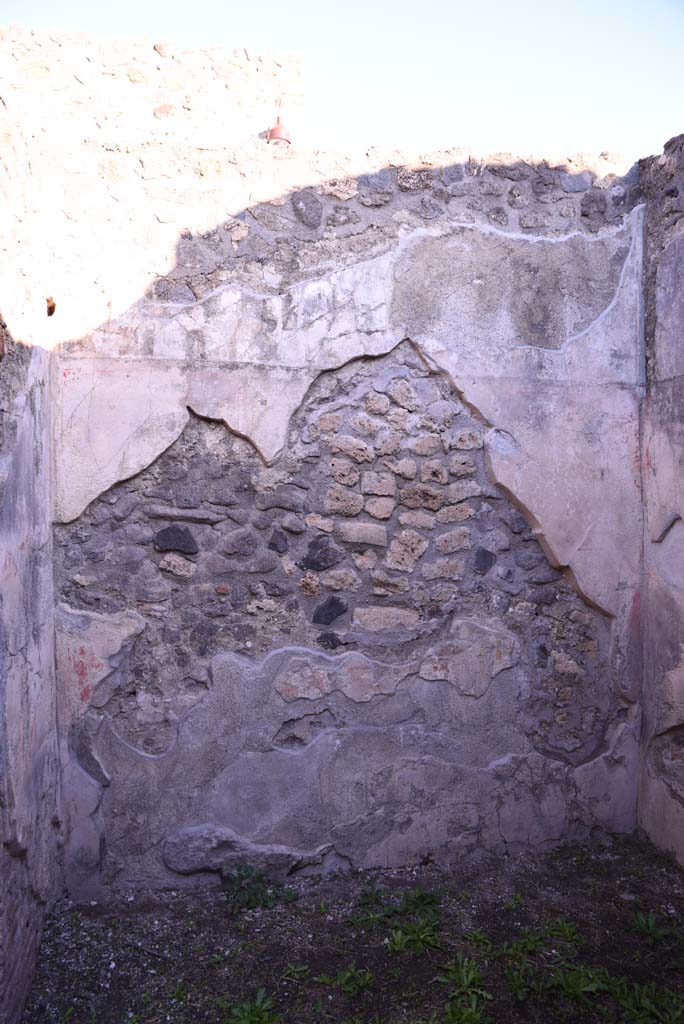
(347,460)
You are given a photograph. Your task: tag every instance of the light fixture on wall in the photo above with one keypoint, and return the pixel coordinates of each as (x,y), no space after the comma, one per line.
(278,134)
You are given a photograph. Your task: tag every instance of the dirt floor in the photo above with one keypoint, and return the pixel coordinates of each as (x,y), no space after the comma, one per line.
(582,934)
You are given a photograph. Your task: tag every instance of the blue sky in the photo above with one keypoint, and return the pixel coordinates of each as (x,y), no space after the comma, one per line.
(554,78)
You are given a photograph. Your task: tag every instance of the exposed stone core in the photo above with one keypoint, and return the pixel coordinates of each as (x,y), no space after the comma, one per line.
(308,653)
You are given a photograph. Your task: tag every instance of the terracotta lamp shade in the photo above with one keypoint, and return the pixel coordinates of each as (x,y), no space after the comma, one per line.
(278,134)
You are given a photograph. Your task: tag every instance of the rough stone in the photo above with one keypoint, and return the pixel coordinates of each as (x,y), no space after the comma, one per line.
(422,496)
(344,472)
(426,444)
(377,404)
(377,483)
(340,501)
(405,550)
(341,579)
(292,523)
(380,508)
(308,208)
(382,618)
(176,538)
(453,540)
(177,565)
(279,542)
(353,447)
(316,522)
(372,534)
(434,471)
(405,468)
(329,610)
(466,440)
(483,560)
(443,569)
(240,542)
(418,518)
(401,392)
(321,553)
(385,585)
(461,490)
(461,465)
(310,584)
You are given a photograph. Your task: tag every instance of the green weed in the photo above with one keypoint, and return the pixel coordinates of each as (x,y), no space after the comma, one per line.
(296,972)
(647,925)
(246,888)
(415,936)
(259,1011)
(418,901)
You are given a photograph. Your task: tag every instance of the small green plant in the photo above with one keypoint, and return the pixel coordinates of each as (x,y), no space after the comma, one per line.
(470,1012)
(418,901)
(259,1011)
(351,981)
(566,931)
(246,888)
(373,918)
(415,936)
(576,982)
(521,980)
(529,942)
(296,972)
(464,976)
(180,992)
(647,925)
(646,1004)
(516,901)
(372,896)
(479,939)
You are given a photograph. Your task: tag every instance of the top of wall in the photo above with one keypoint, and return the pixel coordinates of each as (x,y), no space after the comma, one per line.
(111,150)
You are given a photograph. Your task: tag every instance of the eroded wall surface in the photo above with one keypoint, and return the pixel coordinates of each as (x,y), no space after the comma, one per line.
(661,798)
(360,654)
(30,861)
(347,478)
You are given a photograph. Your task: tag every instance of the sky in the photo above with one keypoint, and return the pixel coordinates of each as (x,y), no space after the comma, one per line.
(520,77)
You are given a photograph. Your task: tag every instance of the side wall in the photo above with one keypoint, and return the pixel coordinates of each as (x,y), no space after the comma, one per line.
(29,828)
(661,798)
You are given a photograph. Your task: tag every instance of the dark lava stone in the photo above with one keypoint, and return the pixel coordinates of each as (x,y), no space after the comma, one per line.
(307,207)
(329,641)
(321,554)
(278,542)
(329,610)
(176,538)
(484,560)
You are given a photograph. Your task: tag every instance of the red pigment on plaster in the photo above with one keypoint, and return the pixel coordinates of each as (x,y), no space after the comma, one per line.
(83,665)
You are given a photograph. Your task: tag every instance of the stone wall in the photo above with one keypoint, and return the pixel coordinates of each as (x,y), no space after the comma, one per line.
(662,775)
(379,660)
(349,459)
(360,477)
(30,860)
